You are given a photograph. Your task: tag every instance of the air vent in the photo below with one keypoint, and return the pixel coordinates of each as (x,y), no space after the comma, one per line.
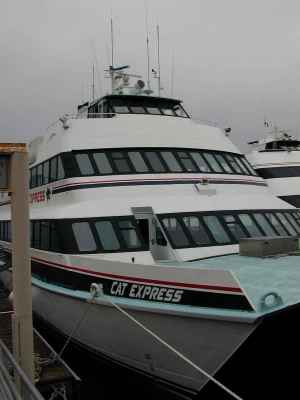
(268,246)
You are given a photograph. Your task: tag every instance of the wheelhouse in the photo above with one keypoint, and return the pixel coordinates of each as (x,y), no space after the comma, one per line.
(108,106)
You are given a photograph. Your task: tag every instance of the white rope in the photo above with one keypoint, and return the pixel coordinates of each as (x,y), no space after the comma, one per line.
(180,355)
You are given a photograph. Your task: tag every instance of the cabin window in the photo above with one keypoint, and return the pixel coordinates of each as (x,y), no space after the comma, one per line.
(242,166)
(227,168)
(60,168)
(46,172)
(213,162)
(102,163)
(138,161)
(264,224)
(137,110)
(286,223)
(250,225)
(200,161)
(129,234)
(233,164)
(197,230)
(171,161)
(107,235)
(33,176)
(234,227)
(155,161)
(216,229)
(84,236)
(53,169)
(44,236)
(177,235)
(40,175)
(121,162)
(153,110)
(121,109)
(84,164)
(187,162)
(292,221)
(276,224)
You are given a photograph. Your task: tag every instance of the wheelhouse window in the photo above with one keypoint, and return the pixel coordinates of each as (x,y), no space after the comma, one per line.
(141,105)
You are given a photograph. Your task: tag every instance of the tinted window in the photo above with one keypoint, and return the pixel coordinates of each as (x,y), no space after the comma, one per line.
(40,175)
(84,236)
(293,222)
(53,169)
(264,224)
(33,176)
(46,172)
(102,163)
(216,229)
(60,169)
(138,161)
(286,223)
(224,163)
(121,162)
(212,162)
(276,224)
(187,161)
(84,164)
(197,230)
(107,235)
(233,164)
(250,225)
(235,227)
(155,162)
(174,229)
(129,234)
(171,161)
(45,237)
(201,163)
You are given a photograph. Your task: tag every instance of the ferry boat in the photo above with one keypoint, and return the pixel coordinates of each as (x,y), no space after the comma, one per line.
(276,158)
(135,205)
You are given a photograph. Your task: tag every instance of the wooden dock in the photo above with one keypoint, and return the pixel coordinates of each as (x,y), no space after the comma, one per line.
(52,374)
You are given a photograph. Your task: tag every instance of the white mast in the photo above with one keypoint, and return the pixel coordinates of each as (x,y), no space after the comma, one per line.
(158,61)
(112,52)
(147,44)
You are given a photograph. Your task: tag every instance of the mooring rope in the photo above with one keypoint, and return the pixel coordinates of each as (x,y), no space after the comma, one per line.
(96,291)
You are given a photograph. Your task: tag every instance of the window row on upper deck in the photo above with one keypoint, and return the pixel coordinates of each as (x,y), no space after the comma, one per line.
(137,161)
(162,160)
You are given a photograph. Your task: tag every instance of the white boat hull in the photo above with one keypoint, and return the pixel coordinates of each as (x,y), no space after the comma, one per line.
(104,330)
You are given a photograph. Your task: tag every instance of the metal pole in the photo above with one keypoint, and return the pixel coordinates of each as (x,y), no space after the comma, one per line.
(22,299)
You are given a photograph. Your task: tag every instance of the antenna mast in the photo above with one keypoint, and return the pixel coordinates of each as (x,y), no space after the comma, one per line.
(93,82)
(112,51)
(158,61)
(147,43)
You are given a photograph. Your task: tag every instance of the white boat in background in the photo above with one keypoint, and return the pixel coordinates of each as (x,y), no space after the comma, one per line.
(133,196)
(276,158)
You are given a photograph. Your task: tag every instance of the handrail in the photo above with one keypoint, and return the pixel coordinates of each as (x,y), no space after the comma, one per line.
(28,390)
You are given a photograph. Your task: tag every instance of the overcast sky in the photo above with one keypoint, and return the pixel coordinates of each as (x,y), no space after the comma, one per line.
(235,61)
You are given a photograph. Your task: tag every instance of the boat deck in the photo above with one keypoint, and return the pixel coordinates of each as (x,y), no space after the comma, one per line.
(260,275)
